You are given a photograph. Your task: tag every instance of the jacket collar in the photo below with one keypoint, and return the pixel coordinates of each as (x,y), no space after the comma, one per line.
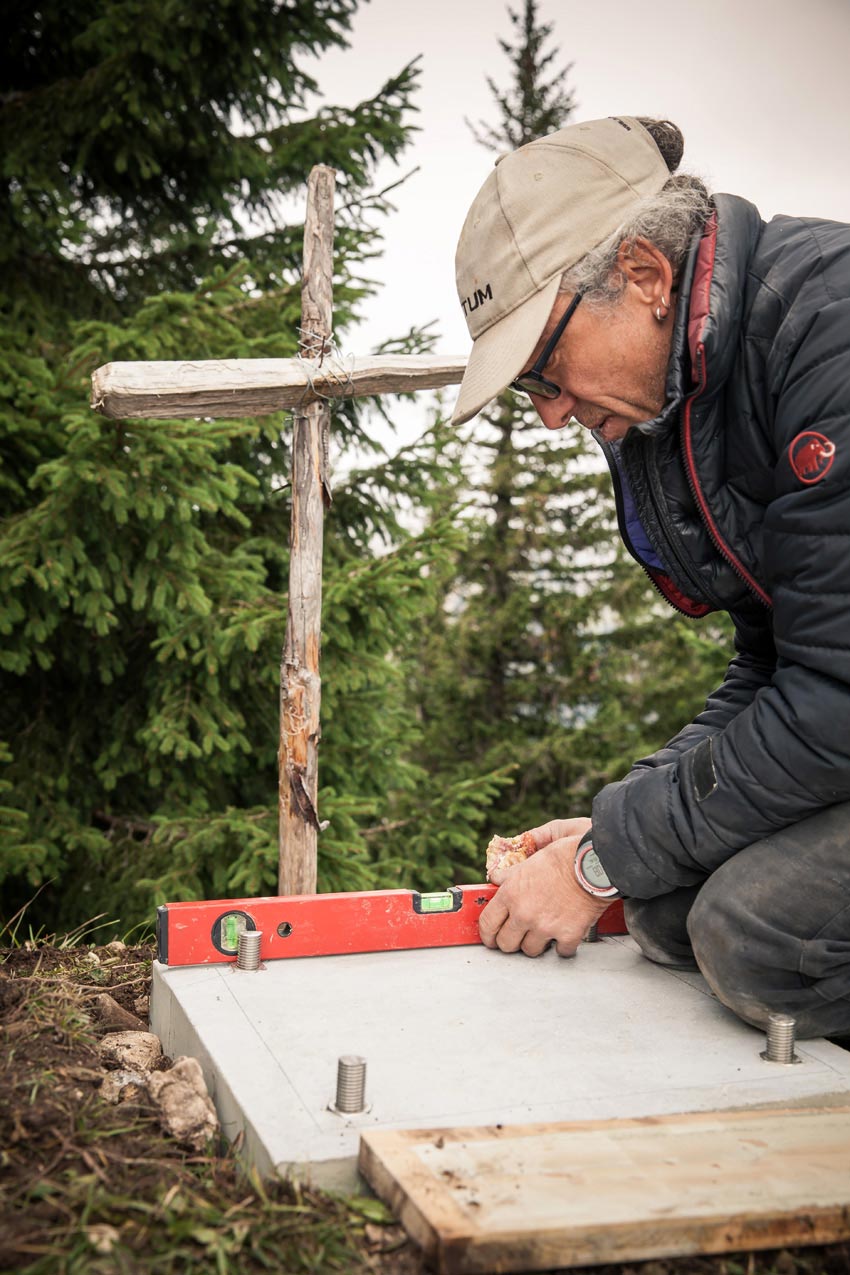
(718,290)
(710,305)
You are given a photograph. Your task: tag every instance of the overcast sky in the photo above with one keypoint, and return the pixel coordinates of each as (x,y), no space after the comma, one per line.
(760,89)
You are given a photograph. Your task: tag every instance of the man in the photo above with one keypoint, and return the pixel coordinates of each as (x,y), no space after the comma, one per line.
(709,354)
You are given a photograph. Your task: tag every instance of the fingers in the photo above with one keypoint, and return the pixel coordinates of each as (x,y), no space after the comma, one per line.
(514,937)
(500,928)
(535,944)
(512,934)
(499,876)
(557,829)
(492,918)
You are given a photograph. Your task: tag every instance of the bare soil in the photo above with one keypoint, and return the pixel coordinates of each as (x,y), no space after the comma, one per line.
(87,1188)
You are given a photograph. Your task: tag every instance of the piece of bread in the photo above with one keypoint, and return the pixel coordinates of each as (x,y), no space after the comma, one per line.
(504,852)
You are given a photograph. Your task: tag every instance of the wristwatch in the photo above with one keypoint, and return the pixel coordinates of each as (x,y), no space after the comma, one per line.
(590,873)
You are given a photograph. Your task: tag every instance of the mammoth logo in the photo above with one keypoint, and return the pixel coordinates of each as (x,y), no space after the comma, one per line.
(811,456)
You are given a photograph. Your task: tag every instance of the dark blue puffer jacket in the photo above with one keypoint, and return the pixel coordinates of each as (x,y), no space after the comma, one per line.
(743,487)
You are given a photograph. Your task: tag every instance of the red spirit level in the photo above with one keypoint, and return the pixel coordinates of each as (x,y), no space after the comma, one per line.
(330,924)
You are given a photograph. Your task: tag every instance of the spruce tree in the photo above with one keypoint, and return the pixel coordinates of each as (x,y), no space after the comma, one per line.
(550,653)
(143,564)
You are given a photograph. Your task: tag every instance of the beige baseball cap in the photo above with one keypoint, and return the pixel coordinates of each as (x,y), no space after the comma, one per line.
(542,209)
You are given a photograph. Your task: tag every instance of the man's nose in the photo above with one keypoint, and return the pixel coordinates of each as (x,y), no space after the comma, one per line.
(555,413)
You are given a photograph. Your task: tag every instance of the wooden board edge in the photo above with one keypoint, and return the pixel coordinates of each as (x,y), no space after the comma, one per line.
(477,1133)
(383,1165)
(654,1239)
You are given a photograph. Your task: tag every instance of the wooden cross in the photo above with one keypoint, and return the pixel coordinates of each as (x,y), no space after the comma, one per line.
(236,388)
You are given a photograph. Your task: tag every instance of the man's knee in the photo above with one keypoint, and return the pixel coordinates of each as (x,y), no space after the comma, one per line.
(737,951)
(659,928)
(770,928)
(716,939)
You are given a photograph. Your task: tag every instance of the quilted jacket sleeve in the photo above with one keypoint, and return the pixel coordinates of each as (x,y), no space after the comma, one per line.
(750,670)
(767,751)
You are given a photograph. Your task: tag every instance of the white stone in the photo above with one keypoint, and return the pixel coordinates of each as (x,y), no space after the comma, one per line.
(185,1108)
(102,1237)
(133,1051)
(122,1086)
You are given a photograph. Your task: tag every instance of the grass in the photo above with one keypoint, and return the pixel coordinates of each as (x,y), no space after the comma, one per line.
(89,1188)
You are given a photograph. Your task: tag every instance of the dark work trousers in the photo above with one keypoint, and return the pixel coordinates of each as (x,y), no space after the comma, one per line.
(770,929)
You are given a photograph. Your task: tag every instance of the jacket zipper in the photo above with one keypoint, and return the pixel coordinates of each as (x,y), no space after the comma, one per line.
(697,492)
(624,535)
(694,583)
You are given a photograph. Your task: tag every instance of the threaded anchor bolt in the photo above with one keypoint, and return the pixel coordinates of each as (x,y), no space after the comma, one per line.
(350,1086)
(592,935)
(248,950)
(780,1040)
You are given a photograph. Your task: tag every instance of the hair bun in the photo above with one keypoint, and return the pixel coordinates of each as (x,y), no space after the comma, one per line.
(668,138)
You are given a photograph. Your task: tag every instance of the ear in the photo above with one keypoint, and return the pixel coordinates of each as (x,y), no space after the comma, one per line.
(647,272)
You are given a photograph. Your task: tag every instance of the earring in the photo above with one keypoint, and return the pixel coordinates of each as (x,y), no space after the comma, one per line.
(664,302)
(659,316)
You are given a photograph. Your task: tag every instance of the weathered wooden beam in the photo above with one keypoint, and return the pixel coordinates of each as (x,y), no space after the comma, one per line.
(300,682)
(257,387)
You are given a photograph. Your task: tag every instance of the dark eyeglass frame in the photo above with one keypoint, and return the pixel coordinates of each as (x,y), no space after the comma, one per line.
(533,381)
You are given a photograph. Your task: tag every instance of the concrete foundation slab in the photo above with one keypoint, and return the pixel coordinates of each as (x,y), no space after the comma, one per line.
(465,1036)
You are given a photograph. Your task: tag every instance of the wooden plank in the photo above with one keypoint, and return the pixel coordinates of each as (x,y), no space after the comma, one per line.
(235,388)
(533,1197)
(300,682)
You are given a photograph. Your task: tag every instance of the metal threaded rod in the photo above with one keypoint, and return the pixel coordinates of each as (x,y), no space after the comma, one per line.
(592,935)
(248,950)
(780,1039)
(351,1084)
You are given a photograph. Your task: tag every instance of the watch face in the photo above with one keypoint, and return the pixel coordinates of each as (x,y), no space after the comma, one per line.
(593,871)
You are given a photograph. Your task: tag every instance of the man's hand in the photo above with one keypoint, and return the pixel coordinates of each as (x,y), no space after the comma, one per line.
(540,901)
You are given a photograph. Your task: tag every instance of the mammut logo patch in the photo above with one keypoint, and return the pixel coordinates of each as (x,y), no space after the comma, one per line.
(811,456)
(479,295)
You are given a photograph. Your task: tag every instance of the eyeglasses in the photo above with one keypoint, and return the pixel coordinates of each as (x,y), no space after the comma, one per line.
(533,381)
